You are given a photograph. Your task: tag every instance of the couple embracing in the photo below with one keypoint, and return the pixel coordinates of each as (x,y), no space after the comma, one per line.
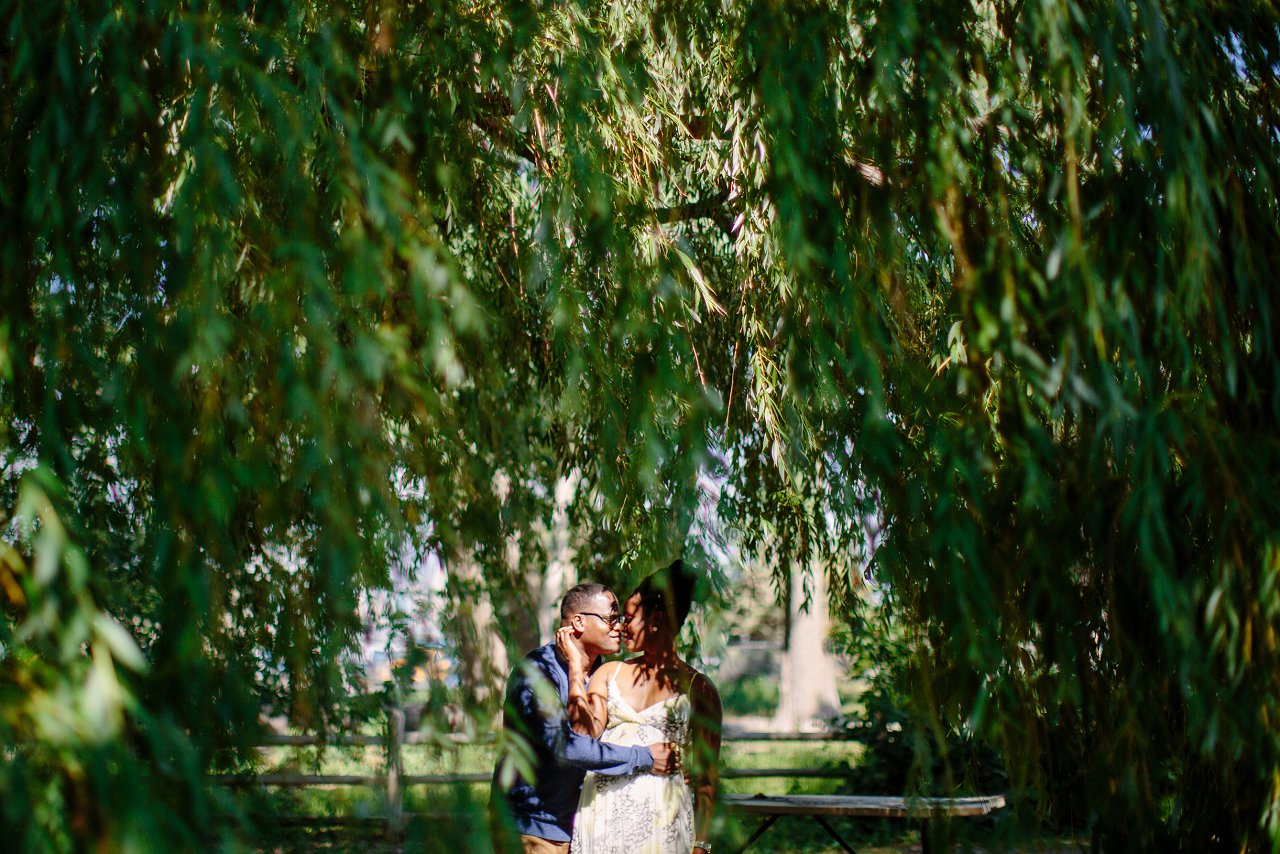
(624,753)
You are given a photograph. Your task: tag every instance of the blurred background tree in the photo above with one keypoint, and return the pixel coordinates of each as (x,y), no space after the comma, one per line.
(291,287)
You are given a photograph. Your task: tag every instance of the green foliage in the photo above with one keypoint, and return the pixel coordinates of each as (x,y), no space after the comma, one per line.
(750,695)
(900,754)
(288,289)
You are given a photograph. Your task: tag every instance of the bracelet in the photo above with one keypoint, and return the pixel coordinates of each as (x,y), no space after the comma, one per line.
(705,846)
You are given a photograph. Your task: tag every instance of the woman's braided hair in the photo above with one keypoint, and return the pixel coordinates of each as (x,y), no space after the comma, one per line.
(668,591)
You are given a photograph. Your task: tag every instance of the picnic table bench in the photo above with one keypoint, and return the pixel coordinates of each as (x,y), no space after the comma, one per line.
(819,807)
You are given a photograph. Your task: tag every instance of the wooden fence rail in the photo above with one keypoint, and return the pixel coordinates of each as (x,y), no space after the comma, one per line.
(303,781)
(394,781)
(459,739)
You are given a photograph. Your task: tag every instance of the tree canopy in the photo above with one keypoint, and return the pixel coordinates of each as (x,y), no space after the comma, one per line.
(288,284)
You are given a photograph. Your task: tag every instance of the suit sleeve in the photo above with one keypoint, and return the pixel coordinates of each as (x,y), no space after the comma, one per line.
(541,711)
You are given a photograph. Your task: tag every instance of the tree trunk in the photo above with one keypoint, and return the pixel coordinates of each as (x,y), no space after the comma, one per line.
(482,656)
(807,698)
(561,574)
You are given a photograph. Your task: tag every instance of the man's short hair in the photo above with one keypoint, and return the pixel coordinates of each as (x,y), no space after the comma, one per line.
(579,598)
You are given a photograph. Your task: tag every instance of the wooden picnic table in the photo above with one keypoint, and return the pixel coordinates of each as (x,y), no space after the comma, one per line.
(819,807)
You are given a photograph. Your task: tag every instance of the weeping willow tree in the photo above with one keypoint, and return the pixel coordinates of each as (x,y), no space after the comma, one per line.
(286,285)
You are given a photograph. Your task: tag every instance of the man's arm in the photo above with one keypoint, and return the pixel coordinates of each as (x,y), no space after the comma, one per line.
(612,760)
(537,702)
(580,750)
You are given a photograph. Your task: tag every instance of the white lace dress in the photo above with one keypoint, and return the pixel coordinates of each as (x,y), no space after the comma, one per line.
(644,813)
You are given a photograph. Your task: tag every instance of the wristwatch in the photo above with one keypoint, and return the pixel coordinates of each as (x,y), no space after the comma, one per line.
(705,846)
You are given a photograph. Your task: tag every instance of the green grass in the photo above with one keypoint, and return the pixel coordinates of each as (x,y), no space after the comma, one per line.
(750,695)
(790,834)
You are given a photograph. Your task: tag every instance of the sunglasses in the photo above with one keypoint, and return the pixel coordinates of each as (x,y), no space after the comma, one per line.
(609,619)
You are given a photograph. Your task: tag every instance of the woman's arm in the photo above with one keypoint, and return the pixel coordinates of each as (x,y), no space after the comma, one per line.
(705,762)
(588,710)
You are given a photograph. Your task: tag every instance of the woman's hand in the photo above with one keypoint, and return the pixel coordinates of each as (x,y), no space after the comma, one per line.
(574,655)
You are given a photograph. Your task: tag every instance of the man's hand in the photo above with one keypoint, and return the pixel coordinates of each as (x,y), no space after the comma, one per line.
(666,757)
(573,654)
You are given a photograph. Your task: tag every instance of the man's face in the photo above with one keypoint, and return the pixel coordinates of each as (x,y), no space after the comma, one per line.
(597,623)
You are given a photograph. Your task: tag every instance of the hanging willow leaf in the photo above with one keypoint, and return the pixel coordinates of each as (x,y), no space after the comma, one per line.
(289,288)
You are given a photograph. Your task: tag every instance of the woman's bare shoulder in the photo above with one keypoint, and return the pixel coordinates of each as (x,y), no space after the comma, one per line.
(605,672)
(700,685)
(640,662)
